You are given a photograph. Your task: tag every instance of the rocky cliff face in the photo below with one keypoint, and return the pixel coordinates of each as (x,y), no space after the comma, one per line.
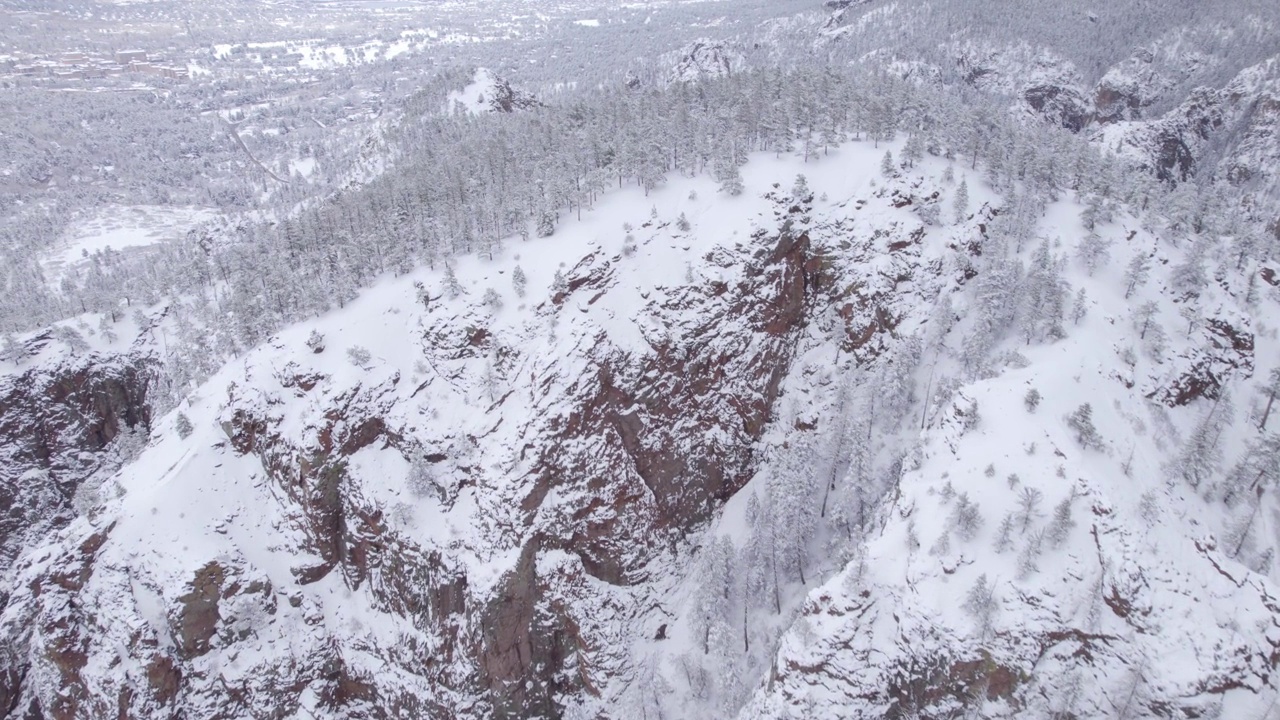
(705,59)
(1225,133)
(55,421)
(483,507)
(489,93)
(1166,106)
(1213,133)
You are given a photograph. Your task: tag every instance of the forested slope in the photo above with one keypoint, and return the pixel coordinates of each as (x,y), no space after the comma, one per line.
(848,367)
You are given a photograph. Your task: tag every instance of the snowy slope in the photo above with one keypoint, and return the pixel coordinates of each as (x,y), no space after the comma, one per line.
(702,456)
(1133,601)
(485,397)
(1188,102)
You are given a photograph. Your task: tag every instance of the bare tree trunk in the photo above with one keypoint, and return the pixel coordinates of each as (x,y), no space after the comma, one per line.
(777,596)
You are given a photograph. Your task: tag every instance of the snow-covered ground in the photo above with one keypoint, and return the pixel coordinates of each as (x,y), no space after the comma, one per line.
(455,497)
(476,97)
(476,372)
(122,228)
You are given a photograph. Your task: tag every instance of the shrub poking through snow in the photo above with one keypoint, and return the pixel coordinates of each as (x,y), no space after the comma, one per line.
(359,356)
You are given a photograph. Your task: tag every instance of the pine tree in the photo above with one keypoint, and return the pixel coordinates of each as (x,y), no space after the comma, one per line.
(792,494)
(1144,317)
(1189,277)
(1004,535)
(1031,400)
(1240,533)
(1060,526)
(1081,423)
(711,602)
(800,191)
(1089,215)
(942,546)
(994,309)
(519,282)
(1202,453)
(1080,308)
(452,288)
(913,537)
(420,478)
(107,331)
(492,299)
(1154,340)
(960,203)
(1027,559)
(489,379)
(981,602)
(1028,507)
(1258,470)
(12,349)
(1094,251)
(760,555)
(887,166)
(1043,297)
(546,224)
(183,425)
(966,518)
(913,151)
(731,181)
(1135,275)
(71,338)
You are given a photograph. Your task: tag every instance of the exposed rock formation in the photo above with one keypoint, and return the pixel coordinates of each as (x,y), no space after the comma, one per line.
(705,59)
(55,419)
(627,450)
(501,512)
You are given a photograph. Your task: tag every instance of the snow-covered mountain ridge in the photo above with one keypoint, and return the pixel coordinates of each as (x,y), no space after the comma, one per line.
(889,359)
(1187,99)
(754,449)
(1225,134)
(586,399)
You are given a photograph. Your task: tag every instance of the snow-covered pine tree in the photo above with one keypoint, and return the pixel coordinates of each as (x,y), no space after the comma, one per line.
(519,282)
(1080,308)
(1136,273)
(1081,423)
(1094,251)
(913,150)
(452,288)
(182,424)
(887,166)
(1028,508)
(1060,525)
(981,603)
(960,202)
